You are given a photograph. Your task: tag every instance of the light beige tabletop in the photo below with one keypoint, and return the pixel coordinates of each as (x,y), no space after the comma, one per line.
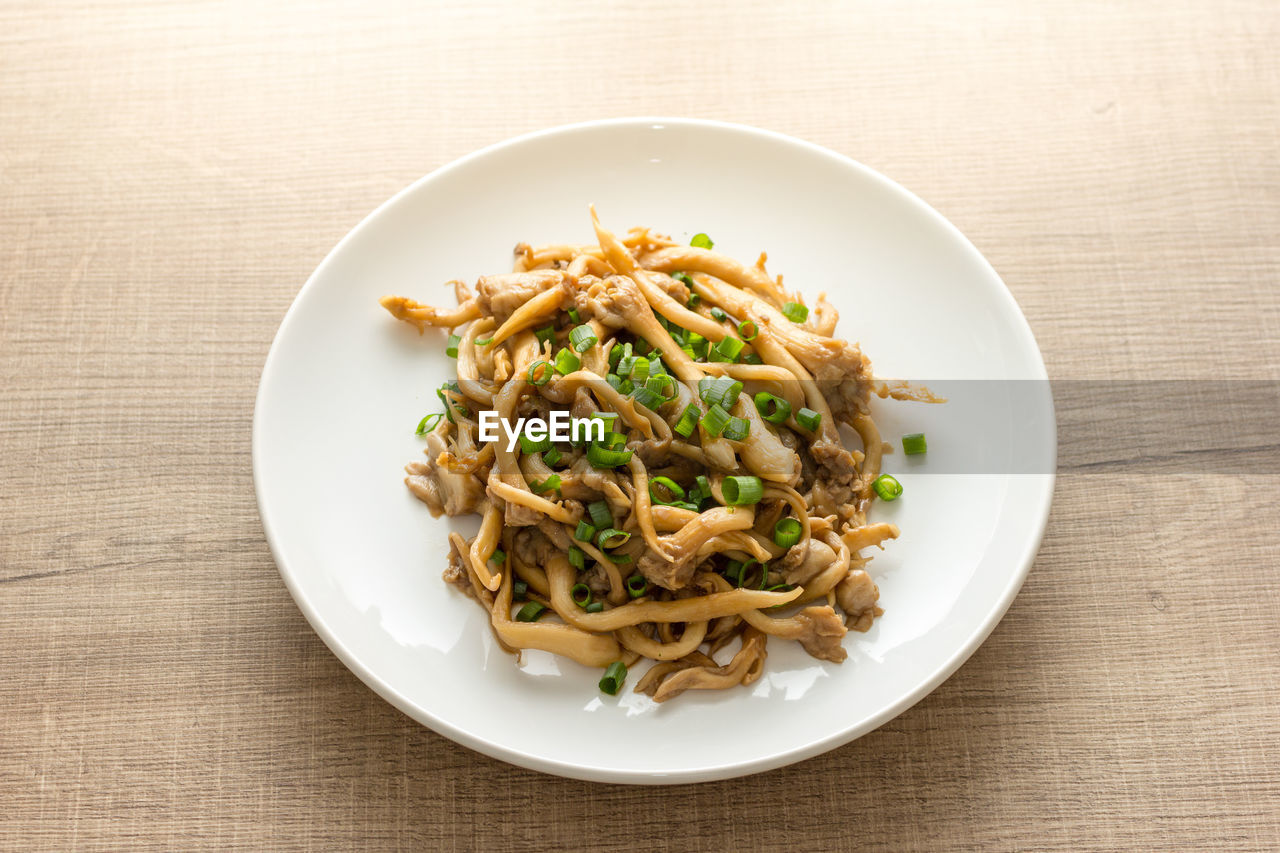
(170,174)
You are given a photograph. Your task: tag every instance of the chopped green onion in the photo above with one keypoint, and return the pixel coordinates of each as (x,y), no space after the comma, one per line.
(748,329)
(601,457)
(498,557)
(546,334)
(914,443)
(616,352)
(528,446)
(483,342)
(519,589)
(583,338)
(701,241)
(719,389)
(736,571)
(429,423)
(601,515)
(567,362)
(694,299)
(737,429)
(764,575)
(661,384)
(639,369)
(773,409)
(539,377)
(613,441)
(787,532)
(531,612)
(577,557)
(887,487)
(701,488)
(611,537)
(752,358)
(626,364)
(742,491)
(729,348)
(451,348)
(615,381)
(614,676)
(585,532)
(809,419)
(581,595)
(715,420)
(698,344)
(573,316)
(718,314)
(648,399)
(642,346)
(674,492)
(795,312)
(637,586)
(547,485)
(620,559)
(688,421)
(683,277)
(597,606)
(551,457)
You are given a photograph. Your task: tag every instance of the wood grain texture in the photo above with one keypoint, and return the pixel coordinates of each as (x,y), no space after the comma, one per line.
(171,172)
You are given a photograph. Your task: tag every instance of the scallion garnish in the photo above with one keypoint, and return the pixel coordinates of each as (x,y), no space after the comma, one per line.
(795,312)
(551,457)
(567,362)
(539,373)
(887,488)
(719,389)
(728,348)
(547,334)
(601,457)
(577,557)
(547,485)
(718,314)
(683,278)
(483,342)
(611,537)
(531,612)
(581,595)
(662,384)
(688,421)
(597,606)
(601,515)
(742,491)
(773,409)
(748,329)
(648,399)
(637,586)
(451,348)
(809,419)
(585,531)
(583,338)
(669,488)
(694,299)
(752,358)
(787,532)
(498,557)
(528,446)
(519,589)
(715,420)
(614,677)
(428,423)
(914,443)
(702,241)
(573,315)
(737,429)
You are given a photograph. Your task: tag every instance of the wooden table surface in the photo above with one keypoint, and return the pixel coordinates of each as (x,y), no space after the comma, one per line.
(170,173)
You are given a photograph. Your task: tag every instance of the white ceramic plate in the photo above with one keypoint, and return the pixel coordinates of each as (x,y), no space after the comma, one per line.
(344,386)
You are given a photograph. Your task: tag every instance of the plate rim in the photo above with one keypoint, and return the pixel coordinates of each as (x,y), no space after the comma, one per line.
(721,770)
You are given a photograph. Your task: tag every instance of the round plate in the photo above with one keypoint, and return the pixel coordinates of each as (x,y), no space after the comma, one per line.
(344,385)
